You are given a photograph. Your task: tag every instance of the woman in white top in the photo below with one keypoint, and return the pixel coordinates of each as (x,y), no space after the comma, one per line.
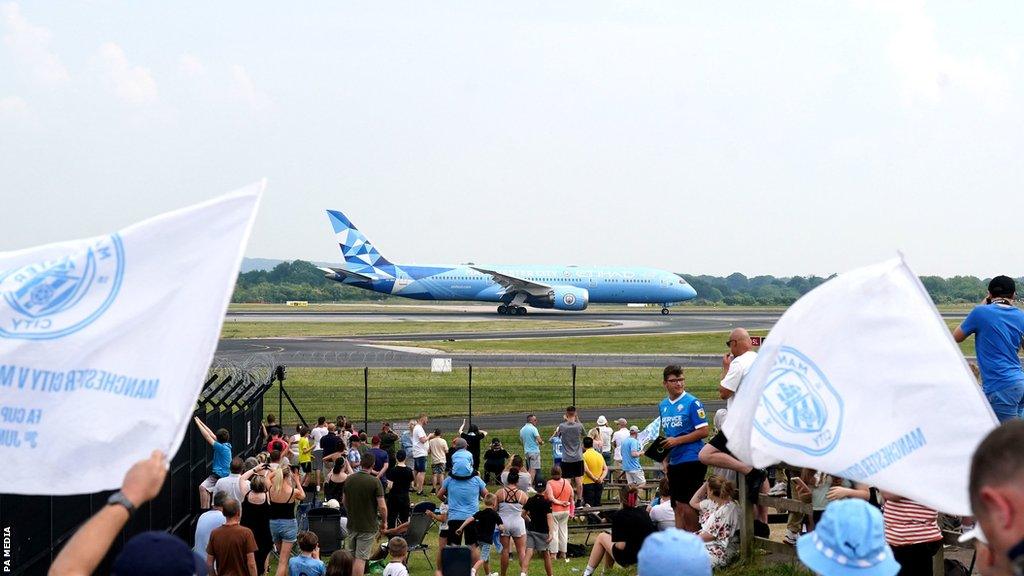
(510,507)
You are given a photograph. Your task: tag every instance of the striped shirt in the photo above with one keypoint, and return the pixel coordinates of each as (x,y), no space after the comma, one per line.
(907,522)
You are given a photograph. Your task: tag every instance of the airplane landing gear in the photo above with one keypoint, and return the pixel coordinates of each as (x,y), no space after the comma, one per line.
(503,310)
(520,311)
(664,311)
(511,310)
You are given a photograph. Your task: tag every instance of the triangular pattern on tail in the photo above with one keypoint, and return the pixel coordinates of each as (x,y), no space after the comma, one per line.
(359,252)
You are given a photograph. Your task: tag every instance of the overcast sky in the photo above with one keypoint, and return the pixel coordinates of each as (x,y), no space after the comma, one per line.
(704,137)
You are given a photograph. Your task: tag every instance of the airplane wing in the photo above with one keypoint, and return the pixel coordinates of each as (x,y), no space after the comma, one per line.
(347,274)
(514,284)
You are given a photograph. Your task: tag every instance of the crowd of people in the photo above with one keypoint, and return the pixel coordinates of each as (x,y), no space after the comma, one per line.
(496,500)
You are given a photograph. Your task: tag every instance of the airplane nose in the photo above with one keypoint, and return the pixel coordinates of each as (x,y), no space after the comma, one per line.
(687,292)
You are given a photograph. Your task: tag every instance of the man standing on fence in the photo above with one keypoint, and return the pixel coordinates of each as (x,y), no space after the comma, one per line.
(571,433)
(419,451)
(685,426)
(530,437)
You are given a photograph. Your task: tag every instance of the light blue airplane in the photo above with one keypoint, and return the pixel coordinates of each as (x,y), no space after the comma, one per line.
(558,287)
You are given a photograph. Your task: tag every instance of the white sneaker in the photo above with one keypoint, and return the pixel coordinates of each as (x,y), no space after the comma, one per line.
(778,490)
(790,538)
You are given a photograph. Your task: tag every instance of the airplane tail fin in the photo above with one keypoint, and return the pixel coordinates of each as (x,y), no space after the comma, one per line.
(359,253)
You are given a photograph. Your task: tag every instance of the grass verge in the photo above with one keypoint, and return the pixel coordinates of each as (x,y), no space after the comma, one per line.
(247,329)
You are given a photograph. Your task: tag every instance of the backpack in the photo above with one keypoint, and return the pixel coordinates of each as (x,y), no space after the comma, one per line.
(575,550)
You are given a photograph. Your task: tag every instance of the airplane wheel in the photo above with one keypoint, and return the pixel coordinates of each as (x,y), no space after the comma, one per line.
(502,309)
(520,311)
(664,311)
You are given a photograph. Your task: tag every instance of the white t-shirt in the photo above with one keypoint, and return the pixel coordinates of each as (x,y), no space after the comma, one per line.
(606,438)
(419,442)
(738,369)
(316,434)
(617,438)
(395,569)
(229,484)
(664,515)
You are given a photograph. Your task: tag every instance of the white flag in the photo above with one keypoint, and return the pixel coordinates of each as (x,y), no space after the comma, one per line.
(861,378)
(105,343)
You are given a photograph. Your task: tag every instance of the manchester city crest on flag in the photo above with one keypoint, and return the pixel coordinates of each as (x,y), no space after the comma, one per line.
(799,408)
(61,296)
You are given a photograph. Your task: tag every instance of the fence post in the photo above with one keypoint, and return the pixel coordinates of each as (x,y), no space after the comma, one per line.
(366,398)
(573,384)
(470,393)
(746,522)
(280,403)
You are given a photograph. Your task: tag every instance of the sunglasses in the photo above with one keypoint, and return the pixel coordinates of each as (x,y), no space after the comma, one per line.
(730,343)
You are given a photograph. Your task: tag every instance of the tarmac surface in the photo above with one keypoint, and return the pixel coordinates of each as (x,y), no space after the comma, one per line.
(358,351)
(373,351)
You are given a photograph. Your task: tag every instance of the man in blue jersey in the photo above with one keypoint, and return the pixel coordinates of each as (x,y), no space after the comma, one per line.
(530,437)
(684,425)
(998,327)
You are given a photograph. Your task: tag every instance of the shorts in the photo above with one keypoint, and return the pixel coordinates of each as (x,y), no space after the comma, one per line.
(624,557)
(537,541)
(1007,402)
(607,458)
(684,479)
(572,469)
(306,467)
(719,442)
(636,478)
(485,550)
(437,468)
(533,461)
(515,527)
(419,464)
(318,458)
(284,530)
(209,483)
(360,544)
(455,539)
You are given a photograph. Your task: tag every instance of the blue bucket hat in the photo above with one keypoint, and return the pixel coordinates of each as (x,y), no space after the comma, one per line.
(158,554)
(848,541)
(673,552)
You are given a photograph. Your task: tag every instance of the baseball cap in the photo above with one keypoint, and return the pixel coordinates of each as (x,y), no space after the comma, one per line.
(973,534)
(673,552)
(848,541)
(1002,286)
(158,554)
(634,429)
(601,420)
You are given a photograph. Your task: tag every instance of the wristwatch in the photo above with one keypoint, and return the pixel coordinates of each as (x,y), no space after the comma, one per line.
(118,498)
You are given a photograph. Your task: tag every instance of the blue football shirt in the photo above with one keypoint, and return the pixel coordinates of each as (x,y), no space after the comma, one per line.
(998,331)
(463,497)
(681,417)
(221,459)
(630,463)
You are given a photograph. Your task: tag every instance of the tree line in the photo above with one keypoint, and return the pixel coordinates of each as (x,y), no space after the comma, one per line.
(301,280)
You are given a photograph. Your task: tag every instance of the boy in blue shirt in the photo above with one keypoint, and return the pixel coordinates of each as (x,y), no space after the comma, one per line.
(221,466)
(685,426)
(998,327)
(556,450)
(308,562)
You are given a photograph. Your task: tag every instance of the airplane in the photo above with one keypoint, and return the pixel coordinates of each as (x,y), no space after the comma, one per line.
(512,287)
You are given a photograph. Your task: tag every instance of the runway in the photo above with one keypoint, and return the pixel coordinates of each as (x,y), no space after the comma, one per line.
(360,351)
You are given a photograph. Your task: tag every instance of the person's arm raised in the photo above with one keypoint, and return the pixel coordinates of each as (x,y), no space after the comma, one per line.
(86,549)
(208,434)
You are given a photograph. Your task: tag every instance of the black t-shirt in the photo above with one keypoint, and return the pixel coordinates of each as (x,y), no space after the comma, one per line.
(538,508)
(486,521)
(331,443)
(401,478)
(632,526)
(387,442)
(473,445)
(496,458)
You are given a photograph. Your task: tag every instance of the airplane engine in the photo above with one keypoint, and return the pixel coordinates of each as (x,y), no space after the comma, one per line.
(568,298)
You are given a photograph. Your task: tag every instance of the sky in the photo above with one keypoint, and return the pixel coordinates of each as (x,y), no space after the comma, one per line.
(784,138)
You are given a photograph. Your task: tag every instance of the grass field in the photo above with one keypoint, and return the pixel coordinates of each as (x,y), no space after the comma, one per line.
(401,393)
(246,329)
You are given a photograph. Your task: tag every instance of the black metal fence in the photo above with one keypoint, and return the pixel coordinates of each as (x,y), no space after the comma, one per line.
(36,527)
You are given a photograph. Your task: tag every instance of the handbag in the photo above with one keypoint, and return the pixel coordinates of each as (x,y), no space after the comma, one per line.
(657,450)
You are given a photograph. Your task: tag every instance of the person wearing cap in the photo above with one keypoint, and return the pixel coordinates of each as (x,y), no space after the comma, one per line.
(998,328)
(630,452)
(849,541)
(673,552)
(997,500)
(166,553)
(606,439)
(621,434)
(494,461)
(232,547)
